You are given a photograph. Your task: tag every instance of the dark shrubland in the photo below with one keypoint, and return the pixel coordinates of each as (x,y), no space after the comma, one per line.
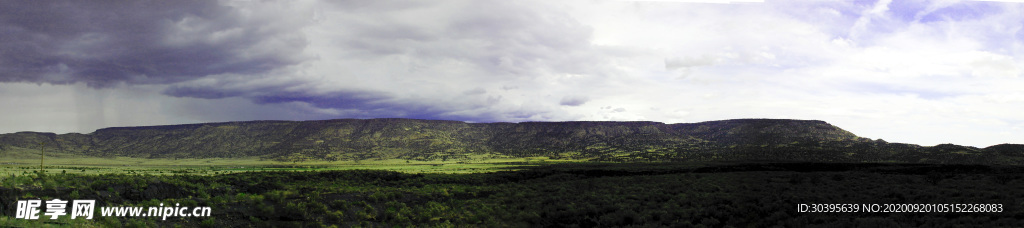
(565,195)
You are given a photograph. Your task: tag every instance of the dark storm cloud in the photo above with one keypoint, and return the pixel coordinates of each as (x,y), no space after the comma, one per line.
(339,99)
(200,92)
(102,43)
(361,104)
(432,60)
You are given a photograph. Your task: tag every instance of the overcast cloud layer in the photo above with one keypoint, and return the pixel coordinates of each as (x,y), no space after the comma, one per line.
(924,72)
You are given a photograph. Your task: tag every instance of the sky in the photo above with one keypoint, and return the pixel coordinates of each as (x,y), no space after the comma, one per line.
(922,72)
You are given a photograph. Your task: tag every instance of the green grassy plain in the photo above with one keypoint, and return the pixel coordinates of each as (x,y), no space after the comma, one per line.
(556,195)
(19,162)
(490,191)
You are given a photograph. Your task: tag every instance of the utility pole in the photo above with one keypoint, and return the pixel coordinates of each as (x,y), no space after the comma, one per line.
(42,146)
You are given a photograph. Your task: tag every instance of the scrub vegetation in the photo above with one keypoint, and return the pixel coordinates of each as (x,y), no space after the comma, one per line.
(562,195)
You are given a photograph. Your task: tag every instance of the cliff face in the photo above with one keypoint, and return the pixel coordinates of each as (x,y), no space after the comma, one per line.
(357,139)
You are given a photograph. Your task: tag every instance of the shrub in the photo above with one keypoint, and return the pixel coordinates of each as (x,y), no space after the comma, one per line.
(210,223)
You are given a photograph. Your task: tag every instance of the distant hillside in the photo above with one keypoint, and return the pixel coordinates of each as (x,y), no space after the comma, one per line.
(361,139)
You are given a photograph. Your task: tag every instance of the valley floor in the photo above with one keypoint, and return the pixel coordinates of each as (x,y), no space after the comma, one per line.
(27,163)
(551,195)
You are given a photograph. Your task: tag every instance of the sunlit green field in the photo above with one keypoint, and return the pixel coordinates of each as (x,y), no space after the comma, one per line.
(28,161)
